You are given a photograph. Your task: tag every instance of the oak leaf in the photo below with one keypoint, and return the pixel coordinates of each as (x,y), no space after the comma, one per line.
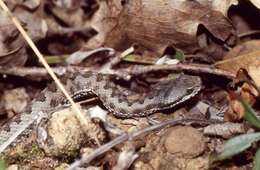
(157,24)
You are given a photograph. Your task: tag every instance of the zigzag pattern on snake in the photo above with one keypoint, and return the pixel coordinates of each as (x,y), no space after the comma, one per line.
(164,95)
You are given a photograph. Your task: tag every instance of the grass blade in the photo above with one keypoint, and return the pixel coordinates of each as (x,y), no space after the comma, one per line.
(249,114)
(236,145)
(257,160)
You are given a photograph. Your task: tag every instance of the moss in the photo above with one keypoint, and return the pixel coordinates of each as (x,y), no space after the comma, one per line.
(36,151)
(2,162)
(62,166)
(2,156)
(21,153)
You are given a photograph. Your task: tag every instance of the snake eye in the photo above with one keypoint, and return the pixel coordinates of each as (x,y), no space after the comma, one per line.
(190,90)
(141,101)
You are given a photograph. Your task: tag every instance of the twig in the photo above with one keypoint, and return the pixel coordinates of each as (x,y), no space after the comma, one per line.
(45,64)
(122,55)
(34,73)
(248,33)
(108,68)
(87,158)
(63,30)
(39,74)
(191,68)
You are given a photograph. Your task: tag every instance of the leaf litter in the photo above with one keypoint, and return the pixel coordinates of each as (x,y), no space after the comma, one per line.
(94,35)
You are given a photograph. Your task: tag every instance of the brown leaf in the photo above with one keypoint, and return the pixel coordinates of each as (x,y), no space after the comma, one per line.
(10,38)
(256,3)
(156,24)
(15,100)
(221,6)
(254,72)
(225,130)
(9,42)
(241,56)
(235,111)
(244,56)
(32,20)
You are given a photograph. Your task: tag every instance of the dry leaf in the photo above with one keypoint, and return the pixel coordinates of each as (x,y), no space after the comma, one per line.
(240,61)
(10,41)
(225,130)
(235,111)
(256,3)
(15,101)
(221,6)
(10,38)
(156,24)
(244,56)
(248,93)
(254,72)
(33,20)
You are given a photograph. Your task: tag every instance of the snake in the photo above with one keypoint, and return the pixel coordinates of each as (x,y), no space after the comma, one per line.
(163,95)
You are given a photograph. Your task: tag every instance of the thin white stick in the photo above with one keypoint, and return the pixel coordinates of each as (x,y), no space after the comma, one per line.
(44,63)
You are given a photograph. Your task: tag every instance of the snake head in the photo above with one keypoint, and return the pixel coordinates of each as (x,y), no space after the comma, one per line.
(178,90)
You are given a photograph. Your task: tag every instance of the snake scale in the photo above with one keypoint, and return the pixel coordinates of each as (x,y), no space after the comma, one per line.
(163,95)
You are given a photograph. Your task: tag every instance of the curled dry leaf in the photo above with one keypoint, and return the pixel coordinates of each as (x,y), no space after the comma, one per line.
(236,110)
(244,56)
(156,24)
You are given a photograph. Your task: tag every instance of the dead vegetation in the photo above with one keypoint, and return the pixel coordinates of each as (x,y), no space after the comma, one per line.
(142,49)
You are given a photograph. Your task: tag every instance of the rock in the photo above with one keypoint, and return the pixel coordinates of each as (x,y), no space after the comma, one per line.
(63,134)
(15,100)
(185,141)
(13,167)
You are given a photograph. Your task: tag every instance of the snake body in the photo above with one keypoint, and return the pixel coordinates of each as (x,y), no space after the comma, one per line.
(164,95)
